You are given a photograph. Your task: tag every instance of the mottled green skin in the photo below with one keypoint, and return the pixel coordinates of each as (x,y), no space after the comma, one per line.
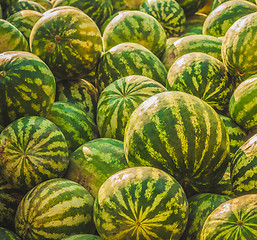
(95,161)
(137,27)
(83,237)
(144,202)
(33,150)
(242,105)
(6,234)
(98,10)
(74,123)
(243,168)
(203,76)
(118,100)
(200,207)
(24,21)
(191,6)
(119,5)
(27,84)
(55,209)
(216,3)
(192,43)
(234,219)
(168,13)
(80,92)
(24,5)
(11,38)
(44,3)
(6,3)
(68,41)
(127,59)
(238,48)
(182,135)
(221,19)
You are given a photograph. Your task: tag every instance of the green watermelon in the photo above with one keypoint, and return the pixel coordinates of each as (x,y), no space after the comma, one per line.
(96,160)
(221,19)
(203,76)
(127,59)
(55,209)
(80,92)
(27,86)
(6,234)
(192,43)
(118,100)
(191,6)
(168,13)
(83,237)
(98,10)
(44,3)
(243,168)
(200,207)
(24,21)
(74,123)
(33,149)
(11,38)
(216,3)
(182,135)
(68,41)
(238,48)
(141,203)
(234,219)
(119,5)
(6,3)
(137,27)
(1,128)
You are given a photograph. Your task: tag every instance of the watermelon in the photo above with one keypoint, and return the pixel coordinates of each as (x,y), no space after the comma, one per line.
(168,13)
(11,38)
(192,43)
(83,237)
(33,150)
(182,135)
(55,209)
(6,3)
(44,3)
(68,53)
(74,123)
(203,76)
(144,202)
(119,5)
(233,219)
(220,19)
(127,59)
(24,21)
(80,92)
(200,207)
(238,48)
(27,86)
(137,27)
(243,168)
(98,10)
(96,160)
(6,234)
(1,128)
(216,3)
(118,100)
(191,6)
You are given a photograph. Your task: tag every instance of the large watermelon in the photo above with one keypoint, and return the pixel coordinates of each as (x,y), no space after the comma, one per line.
(83,237)
(6,234)
(141,203)
(182,135)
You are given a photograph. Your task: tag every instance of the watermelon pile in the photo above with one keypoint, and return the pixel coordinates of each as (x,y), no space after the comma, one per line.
(128,119)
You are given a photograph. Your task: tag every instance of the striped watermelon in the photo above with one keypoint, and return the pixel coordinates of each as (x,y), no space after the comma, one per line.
(11,38)
(6,3)
(96,160)
(80,92)
(127,59)
(44,3)
(192,43)
(191,6)
(118,100)
(98,10)
(243,168)
(68,41)
(55,209)
(221,19)
(74,123)
(200,207)
(119,5)
(234,219)
(168,13)
(137,27)
(238,48)
(33,150)
(6,234)
(144,202)
(243,104)
(83,237)
(27,86)
(216,3)
(182,135)
(203,76)
(24,21)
